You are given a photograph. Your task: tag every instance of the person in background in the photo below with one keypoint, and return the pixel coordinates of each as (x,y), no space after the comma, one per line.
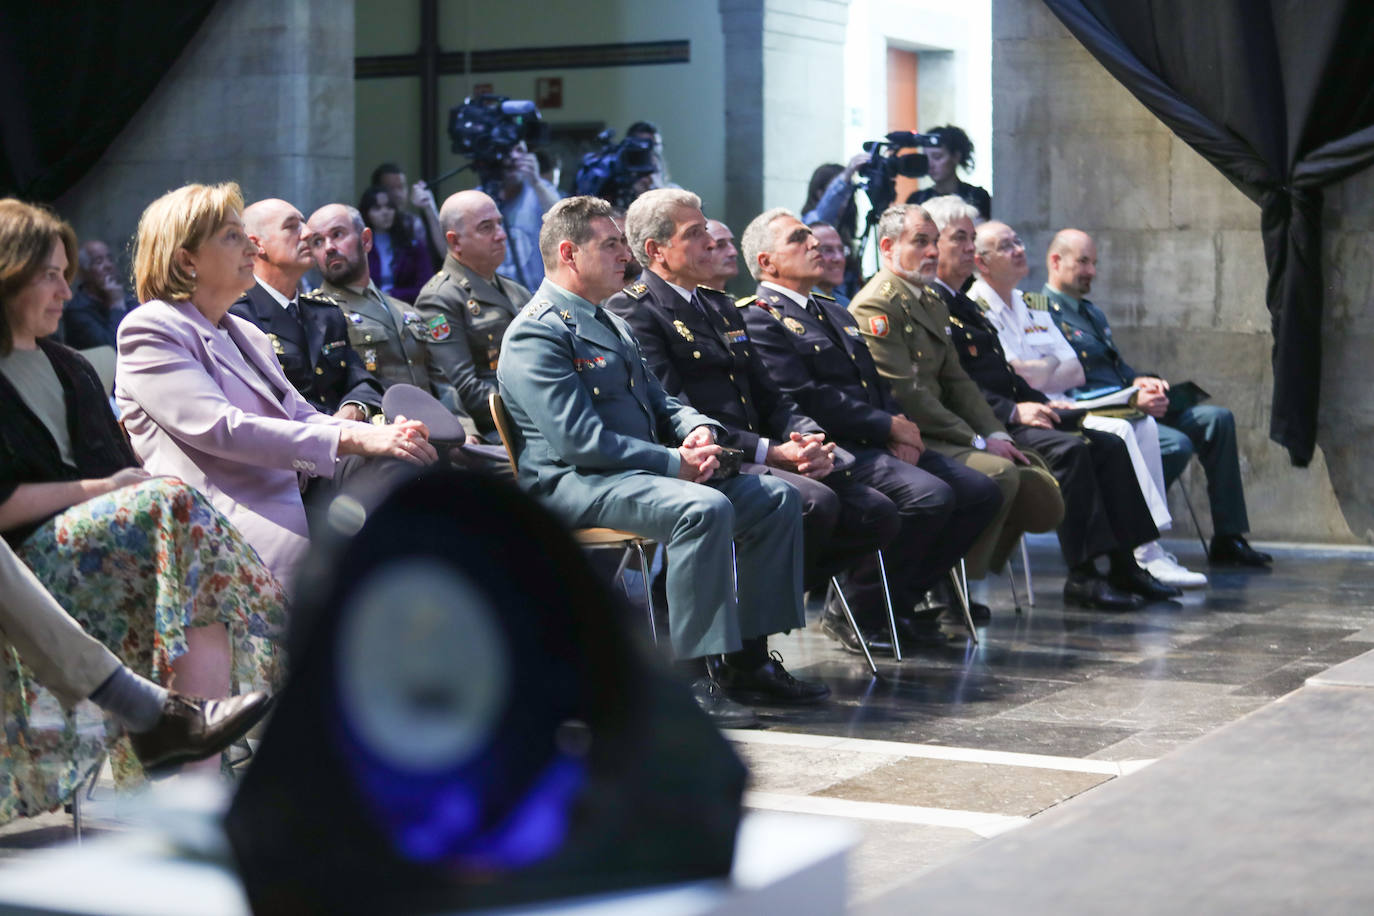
(525,198)
(399,262)
(954,152)
(415,204)
(833,258)
(727,255)
(550,166)
(830,200)
(99,302)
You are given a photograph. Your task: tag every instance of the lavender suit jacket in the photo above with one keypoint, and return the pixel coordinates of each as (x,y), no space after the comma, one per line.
(194,410)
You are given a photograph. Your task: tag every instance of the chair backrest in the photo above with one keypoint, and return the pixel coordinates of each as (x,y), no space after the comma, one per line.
(505,427)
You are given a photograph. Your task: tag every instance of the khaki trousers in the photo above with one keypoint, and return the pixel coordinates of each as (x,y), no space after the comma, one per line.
(1030,502)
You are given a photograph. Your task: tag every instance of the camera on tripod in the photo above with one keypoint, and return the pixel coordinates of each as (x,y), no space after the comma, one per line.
(612,172)
(878,177)
(487,128)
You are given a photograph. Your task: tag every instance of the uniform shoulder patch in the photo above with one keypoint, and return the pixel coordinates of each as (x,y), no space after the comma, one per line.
(1038,301)
(746,301)
(637,290)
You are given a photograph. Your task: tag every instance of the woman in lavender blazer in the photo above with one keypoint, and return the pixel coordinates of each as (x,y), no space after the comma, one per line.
(201,393)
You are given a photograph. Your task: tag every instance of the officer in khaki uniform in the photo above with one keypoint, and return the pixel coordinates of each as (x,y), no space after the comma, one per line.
(388,335)
(466,307)
(908,331)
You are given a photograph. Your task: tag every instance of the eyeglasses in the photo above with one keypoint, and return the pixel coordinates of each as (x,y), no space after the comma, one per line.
(1007,246)
(832,251)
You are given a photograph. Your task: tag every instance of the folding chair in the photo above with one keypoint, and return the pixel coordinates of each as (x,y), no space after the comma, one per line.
(854,625)
(589,538)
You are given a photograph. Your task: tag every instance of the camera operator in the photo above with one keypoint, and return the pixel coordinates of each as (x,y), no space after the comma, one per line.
(658,178)
(525,197)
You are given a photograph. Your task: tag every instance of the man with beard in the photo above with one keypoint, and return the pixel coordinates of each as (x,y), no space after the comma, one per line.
(387,334)
(308,334)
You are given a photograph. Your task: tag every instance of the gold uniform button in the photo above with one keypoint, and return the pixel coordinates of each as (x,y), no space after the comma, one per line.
(596,391)
(319,371)
(1085,353)
(696,354)
(632,383)
(491,337)
(743,401)
(865,384)
(732,376)
(818,347)
(342,364)
(368,337)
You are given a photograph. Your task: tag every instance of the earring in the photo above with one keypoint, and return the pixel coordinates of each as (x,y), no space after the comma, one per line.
(193,273)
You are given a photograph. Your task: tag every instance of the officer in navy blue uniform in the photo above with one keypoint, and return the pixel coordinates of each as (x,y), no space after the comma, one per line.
(815,353)
(602,444)
(698,346)
(308,335)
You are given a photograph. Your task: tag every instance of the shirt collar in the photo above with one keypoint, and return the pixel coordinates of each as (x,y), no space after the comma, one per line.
(271,291)
(681,291)
(952,290)
(982,289)
(1064,299)
(795,296)
(914,288)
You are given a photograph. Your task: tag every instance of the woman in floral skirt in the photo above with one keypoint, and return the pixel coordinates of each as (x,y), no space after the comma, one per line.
(144,563)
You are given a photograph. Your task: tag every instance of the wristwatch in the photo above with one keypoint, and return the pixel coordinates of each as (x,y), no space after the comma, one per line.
(979,442)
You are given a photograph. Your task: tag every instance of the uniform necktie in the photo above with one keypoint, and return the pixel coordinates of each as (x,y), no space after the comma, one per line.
(294,311)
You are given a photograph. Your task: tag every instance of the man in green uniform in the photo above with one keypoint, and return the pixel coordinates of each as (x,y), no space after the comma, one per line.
(466,307)
(387,334)
(907,328)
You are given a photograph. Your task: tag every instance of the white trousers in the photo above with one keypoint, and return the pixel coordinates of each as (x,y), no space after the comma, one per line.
(1142,441)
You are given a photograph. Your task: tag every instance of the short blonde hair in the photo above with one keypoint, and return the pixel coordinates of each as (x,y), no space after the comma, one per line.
(27,236)
(184,218)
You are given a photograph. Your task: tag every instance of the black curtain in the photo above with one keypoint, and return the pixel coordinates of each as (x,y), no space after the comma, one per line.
(1279,96)
(72,74)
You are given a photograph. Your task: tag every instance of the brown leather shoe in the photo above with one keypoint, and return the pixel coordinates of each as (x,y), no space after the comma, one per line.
(192,729)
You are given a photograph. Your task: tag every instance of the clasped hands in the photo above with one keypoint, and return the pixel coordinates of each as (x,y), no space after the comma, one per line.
(1153,397)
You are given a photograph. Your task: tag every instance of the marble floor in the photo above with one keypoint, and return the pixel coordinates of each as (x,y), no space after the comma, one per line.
(954,746)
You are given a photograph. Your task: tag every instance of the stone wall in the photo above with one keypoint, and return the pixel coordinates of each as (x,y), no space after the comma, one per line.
(1181,270)
(262,95)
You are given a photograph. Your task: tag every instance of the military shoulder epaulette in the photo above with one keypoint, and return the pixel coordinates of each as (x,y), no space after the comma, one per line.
(820,295)
(982,305)
(1038,301)
(637,290)
(321,297)
(712,289)
(746,301)
(537,307)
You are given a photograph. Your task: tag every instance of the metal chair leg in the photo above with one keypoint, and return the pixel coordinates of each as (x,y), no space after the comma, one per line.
(647,570)
(1011,580)
(963,604)
(1188,501)
(853,624)
(1025,565)
(891,617)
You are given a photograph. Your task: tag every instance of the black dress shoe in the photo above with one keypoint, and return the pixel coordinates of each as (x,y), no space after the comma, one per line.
(1141,583)
(192,729)
(720,709)
(1234,550)
(769,683)
(979,611)
(835,626)
(1097,593)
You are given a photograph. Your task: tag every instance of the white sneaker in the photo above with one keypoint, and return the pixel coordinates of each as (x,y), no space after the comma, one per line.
(1165,567)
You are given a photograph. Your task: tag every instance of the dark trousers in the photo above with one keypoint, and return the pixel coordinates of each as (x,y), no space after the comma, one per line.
(942,506)
(1103,508)
(1209,431)
(843,521)
(368,480)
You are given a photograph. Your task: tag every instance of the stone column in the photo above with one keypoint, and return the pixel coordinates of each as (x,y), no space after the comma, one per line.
(262,95)
(784,99)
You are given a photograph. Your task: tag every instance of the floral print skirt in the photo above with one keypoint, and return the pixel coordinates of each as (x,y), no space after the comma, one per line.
(137,568)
